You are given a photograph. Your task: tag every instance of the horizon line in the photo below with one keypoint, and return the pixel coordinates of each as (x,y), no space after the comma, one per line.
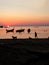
(30,25)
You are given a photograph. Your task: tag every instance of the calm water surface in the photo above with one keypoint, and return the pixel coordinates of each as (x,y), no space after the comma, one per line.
(42,32)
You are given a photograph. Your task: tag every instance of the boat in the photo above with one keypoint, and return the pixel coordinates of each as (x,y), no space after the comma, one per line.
(12,30)
(20,30)
(1,26)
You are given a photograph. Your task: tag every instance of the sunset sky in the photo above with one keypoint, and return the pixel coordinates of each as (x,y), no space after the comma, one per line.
(24,12)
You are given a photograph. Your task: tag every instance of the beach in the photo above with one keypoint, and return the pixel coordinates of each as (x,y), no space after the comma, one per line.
(24,51)
(24,48)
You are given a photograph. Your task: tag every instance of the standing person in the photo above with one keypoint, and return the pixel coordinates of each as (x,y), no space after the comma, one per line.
(35,35)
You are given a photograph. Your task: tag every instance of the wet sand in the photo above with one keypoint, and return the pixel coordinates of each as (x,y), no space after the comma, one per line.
(24,51)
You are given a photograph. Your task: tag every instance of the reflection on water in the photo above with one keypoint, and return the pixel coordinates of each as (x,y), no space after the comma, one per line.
(42,32)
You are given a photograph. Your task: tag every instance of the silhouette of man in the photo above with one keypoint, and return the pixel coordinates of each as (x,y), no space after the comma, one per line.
(28,30)
(35,35)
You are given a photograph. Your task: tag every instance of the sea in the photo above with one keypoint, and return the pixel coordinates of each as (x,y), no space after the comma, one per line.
(42,32)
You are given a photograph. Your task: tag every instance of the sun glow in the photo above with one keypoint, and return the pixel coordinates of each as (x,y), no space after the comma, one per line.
(24,20)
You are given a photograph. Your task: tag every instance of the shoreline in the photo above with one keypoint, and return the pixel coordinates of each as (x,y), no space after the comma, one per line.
(32,40)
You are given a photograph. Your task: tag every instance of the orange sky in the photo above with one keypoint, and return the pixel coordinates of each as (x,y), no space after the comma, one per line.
(9,20)
(23,21)
(31,12)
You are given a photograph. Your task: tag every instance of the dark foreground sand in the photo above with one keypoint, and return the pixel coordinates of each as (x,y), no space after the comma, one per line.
(26,51)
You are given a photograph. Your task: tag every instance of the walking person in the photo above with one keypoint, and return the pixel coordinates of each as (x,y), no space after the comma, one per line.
(35,35)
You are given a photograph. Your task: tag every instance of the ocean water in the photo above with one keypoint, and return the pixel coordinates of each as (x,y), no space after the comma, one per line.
(42,32)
